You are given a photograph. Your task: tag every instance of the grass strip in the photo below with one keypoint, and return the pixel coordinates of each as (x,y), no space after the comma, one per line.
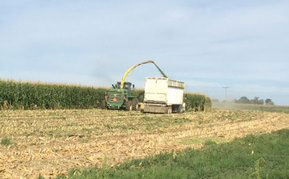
(264,156)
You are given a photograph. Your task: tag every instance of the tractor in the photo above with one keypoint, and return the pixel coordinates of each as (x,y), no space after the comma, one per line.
(124,98)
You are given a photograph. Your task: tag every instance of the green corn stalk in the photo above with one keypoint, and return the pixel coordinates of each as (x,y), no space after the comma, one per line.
(18,95)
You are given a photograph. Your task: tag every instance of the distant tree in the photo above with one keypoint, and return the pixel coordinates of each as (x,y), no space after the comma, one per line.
(269,102)
(261,101)
(243,100)
(255,100)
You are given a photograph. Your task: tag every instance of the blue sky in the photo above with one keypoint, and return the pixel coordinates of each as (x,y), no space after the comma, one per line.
(207,44)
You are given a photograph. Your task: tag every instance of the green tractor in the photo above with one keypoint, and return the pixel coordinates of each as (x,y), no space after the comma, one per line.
(123,94)
(124,98)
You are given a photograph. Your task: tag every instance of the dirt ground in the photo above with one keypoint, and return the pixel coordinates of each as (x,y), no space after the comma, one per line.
(52,142)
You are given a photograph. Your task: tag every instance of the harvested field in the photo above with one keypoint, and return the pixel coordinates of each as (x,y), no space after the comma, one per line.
(51,142)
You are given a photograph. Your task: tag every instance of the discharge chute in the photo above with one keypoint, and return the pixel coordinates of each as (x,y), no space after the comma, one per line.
(134,67)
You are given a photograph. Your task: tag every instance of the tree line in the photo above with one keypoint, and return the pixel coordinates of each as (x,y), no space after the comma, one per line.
(255,100)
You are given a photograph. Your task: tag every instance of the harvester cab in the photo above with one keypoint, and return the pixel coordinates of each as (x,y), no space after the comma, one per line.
(127,86)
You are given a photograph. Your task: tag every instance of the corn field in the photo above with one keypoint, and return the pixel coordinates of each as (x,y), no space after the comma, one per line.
(16,95)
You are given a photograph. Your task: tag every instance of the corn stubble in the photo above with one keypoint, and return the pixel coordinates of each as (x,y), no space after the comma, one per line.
(51,142)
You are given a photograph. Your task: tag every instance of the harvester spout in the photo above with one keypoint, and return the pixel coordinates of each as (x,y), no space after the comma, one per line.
(134,67)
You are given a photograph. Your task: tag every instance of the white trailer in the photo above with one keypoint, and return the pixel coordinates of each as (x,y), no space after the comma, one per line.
(163,96)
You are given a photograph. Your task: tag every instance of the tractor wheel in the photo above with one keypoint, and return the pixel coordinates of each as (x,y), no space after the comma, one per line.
(103,105)
(129,106)
(141,97)
(135,104)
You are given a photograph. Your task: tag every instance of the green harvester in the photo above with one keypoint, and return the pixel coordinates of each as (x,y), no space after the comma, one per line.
(122,98)
(123,94)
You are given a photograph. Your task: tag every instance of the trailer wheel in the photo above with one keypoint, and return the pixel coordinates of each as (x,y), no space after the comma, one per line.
(176,108)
